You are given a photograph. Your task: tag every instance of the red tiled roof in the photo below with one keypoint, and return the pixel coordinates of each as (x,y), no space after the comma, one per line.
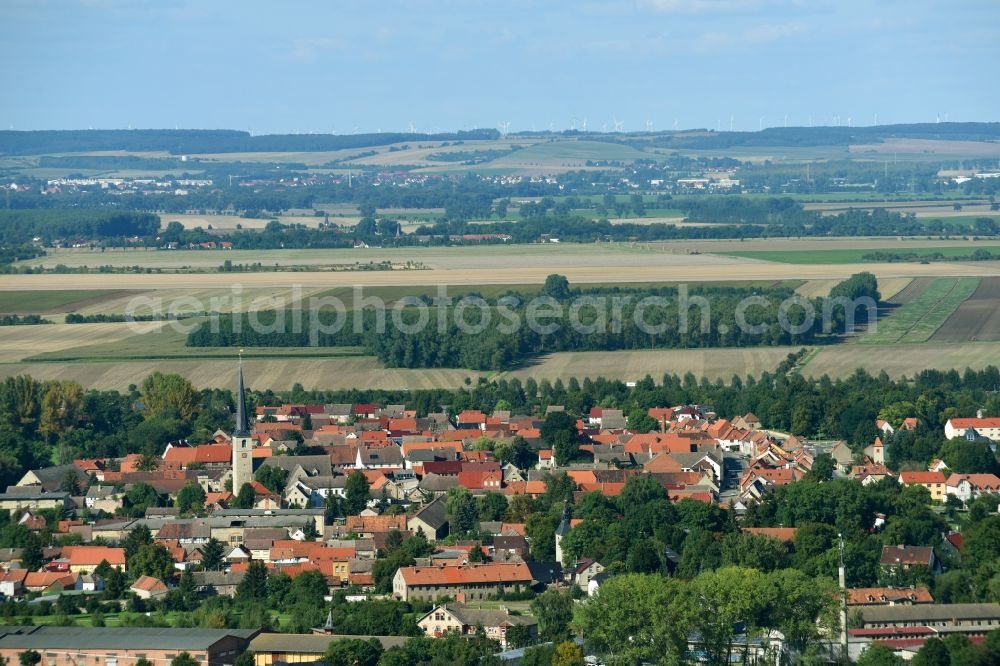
(906,555)
(988,422)
(471,416)
(81,556)
(148,584)
(463,575)
(779,533)
(979,481)
(44,579)
(375,523)
(921,477)
(204,454)
(863,596)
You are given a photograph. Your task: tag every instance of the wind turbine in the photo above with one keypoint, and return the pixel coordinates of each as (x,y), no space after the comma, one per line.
(504,126)
(618,124)
(786,120)
(583,125)
(760,123)
(675,124)
(730,123)
(412,129)
(649,125)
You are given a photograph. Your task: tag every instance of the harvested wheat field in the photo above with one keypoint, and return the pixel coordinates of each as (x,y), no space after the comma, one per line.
(610,255)
(277,374)
(901,359)
(354,371)
(910,291)
(691,269)
(367,371)
(890,287)
(887,287)
(817,288)
(18,342)
(716,363)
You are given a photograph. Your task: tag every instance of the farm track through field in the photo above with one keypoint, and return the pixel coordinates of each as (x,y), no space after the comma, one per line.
(930,313)
(923,314)
(911,291)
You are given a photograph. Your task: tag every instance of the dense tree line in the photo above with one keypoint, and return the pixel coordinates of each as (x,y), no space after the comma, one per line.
(208,141)
(478,335)
(980,254)
(22,226)
(42,423)
(813,136)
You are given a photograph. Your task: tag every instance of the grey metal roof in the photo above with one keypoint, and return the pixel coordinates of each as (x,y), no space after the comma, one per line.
(931,612)
(243,513)
(123,638)
(311,643)
(52,477)
(34,494)
(488,618)
(319,464)
(202,578)
(434,514)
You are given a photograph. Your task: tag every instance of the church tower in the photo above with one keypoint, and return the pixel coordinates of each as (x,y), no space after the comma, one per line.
(561,531)
(242,442)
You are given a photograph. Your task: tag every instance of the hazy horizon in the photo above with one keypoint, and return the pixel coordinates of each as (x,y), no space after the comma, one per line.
(443,66)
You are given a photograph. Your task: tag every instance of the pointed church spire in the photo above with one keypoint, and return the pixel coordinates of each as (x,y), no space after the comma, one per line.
(564,525)
(328,625)
(242,424)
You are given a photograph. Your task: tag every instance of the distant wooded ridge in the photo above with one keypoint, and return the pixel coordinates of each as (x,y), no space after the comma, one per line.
(178,142)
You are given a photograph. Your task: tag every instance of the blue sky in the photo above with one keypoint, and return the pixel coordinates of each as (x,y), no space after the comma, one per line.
(337,66)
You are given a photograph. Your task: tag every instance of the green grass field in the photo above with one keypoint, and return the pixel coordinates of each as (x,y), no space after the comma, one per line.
(850,256)
(39,302)
(917,320)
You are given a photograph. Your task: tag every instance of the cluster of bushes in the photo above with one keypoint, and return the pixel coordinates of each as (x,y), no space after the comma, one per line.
(980,254)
